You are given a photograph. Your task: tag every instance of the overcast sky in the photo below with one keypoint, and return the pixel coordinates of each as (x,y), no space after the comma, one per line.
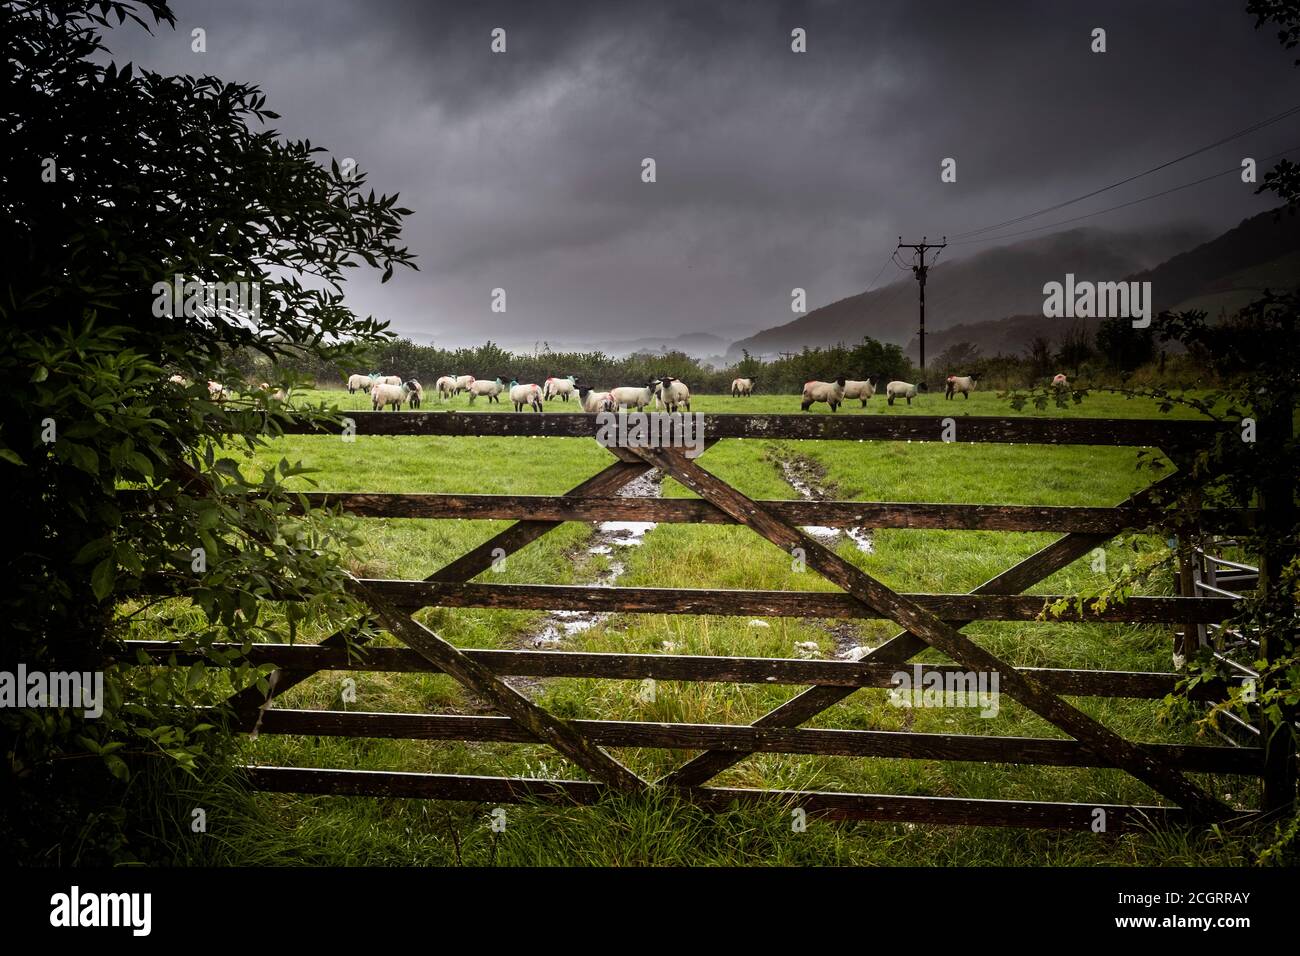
(774,169)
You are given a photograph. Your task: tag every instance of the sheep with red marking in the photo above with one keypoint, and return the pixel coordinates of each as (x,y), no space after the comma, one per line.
(965,384)
(521,395)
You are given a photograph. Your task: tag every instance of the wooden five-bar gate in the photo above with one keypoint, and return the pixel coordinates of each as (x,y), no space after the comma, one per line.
(924,620)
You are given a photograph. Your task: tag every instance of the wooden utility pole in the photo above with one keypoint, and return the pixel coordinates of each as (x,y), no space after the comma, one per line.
(919,269)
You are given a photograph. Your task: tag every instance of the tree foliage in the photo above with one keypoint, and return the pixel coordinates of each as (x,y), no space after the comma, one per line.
(115,180)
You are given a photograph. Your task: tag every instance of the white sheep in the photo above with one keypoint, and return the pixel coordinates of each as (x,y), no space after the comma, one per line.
(902,390)
(559,388)
(742,386)
(217,392)
(832,393)
(595,402)
(673,392)
(445,386)
(638,395)
(463,382)
(384,394)
(1060,383)
(522,395)
(861,390)
(961,383)
(482,387)
(358,381)
(388,380)
(280,395)
(417,393)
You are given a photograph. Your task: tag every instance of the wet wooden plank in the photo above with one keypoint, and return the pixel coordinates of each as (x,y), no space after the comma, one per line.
(950,607)
(947,811)
(1159,433)
(831,514)
(675,667)
(842,743)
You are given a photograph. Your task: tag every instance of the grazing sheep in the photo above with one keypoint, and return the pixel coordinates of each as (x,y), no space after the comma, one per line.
(862,390)
(559,388)
(384,394)
(595,402)
(463,382)
(491,390)
(673,392)
(180,380)
(640,396)
(903,390)
(522,395)
(417,393)
(832,393)
(1060,383)
(217,392)
(359,381)
(961,383)
(742,386)
(446,387)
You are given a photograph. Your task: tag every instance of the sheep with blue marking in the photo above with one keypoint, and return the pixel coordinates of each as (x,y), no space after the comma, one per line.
(521,395)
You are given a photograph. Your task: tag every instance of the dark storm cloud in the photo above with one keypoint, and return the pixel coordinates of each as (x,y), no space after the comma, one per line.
(775,170)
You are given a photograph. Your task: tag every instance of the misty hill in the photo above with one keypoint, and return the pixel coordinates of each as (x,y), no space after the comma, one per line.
(1218,277)
(991,284)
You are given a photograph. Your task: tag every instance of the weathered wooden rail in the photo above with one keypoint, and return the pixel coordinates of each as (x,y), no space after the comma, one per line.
(926,620)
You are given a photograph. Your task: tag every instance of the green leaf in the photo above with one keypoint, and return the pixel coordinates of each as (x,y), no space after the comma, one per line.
(103,578)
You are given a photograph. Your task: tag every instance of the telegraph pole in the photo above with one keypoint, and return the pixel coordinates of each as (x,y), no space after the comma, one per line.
(919,270)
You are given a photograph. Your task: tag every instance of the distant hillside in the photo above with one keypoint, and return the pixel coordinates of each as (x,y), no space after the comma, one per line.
(1218,277)
(992,284)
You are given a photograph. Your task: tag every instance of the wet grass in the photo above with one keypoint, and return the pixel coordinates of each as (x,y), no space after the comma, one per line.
(660,830)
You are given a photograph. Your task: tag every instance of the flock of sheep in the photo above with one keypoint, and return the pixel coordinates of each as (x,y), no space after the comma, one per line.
(389,391)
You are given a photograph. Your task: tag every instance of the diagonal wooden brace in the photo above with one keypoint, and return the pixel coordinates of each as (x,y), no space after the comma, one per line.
(1143,765)
(501,695)
(904,646)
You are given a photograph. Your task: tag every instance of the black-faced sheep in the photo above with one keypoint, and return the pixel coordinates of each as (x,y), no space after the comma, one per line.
(489,390)
(832,393)
(560,388)
(594,402)
(383,394)
(960,383)
(673,392)
(862,390)
(903,390)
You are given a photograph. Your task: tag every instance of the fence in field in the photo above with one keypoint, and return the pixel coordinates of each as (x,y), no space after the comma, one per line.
(1200,573)
(924,620)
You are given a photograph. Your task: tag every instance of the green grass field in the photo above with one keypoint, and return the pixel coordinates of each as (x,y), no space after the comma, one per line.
(271,828)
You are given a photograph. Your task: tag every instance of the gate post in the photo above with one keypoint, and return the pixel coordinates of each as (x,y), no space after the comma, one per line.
(1277,517)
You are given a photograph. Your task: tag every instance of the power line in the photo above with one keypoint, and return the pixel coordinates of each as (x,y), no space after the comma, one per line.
(1131,202)
(1069,202)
